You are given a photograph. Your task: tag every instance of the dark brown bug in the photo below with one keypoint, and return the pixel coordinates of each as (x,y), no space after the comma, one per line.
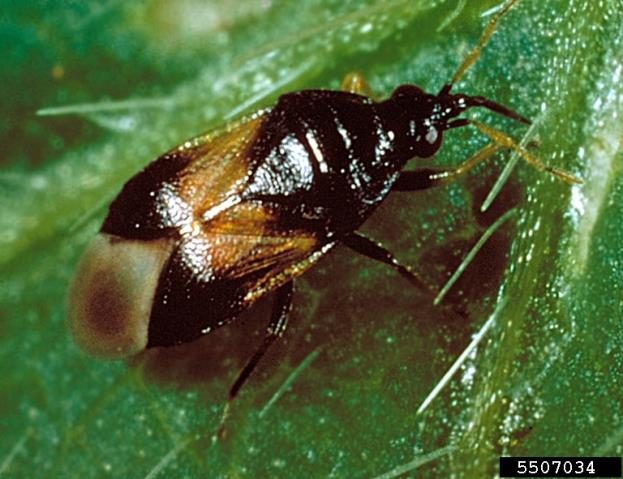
(209,227)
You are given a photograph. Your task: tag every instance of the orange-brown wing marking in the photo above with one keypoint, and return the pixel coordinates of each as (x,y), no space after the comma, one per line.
(165,197)
(214,275)
(220,164)
(224,263)
(249,238)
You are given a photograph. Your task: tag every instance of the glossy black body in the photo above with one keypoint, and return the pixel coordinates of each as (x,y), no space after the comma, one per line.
(255,206)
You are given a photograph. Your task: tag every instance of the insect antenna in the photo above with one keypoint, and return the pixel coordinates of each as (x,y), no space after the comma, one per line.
(473,55)
(480,101)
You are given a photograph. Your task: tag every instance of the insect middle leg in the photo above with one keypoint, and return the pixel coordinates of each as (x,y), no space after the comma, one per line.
(276,327)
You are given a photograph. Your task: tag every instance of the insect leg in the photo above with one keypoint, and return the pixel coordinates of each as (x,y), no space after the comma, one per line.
(367,247)
(276,327)
(424,178)
(355,82)
(505,141)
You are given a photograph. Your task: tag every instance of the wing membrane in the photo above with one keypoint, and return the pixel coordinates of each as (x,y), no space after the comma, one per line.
(206,285)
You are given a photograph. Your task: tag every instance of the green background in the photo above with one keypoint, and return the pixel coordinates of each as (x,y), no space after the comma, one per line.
(119,82)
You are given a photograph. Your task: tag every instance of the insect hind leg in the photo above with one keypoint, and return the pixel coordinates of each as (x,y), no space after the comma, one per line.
(371,249)
(276,327)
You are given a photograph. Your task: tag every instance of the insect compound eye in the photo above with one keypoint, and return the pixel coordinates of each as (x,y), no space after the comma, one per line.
(110,298)
(432,135)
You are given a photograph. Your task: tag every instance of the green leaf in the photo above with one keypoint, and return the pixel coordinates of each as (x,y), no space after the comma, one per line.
(342,394)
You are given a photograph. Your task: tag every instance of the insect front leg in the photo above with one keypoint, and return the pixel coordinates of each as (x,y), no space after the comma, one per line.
(355,82)
(276,327)
(505,141)
(424,178)
(367,247)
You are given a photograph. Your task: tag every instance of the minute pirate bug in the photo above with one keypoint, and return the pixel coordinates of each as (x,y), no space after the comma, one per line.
(227,217)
